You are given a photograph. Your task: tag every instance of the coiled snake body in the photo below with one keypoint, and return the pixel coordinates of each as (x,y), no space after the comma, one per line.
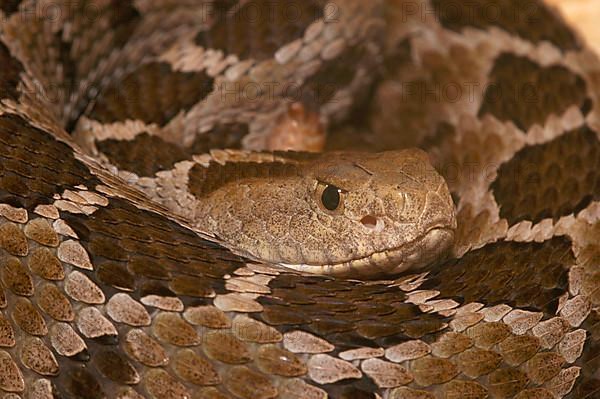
(133,266)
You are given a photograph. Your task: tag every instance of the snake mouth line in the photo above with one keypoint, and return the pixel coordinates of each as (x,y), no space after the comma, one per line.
(418,253)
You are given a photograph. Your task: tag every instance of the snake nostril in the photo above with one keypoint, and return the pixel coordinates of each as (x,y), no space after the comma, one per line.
(371,222)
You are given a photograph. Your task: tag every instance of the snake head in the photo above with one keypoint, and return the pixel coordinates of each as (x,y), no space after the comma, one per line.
(344,214)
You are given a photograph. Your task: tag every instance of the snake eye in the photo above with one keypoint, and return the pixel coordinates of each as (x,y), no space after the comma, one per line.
(330,197)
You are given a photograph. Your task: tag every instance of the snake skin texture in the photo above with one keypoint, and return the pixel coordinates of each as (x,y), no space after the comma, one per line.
(106,294)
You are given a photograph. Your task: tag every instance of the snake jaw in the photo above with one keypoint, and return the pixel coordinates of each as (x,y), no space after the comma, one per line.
(418,253)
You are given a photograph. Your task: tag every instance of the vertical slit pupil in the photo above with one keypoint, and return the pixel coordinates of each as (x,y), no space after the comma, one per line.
(331,197)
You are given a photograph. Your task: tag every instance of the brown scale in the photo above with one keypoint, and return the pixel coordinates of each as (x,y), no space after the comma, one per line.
(226,348)
(79,383)
(25,183)
(12,240)
(430,371)
(16,277)
(195,368)
(550,180)
(523,92)
(40,231)
(145,349)
(524,275)
(246,383)
(529,19)
(38,357)
(28,318)
(191,286)
(153,93)
(258,28)
(506,382)
(149,266)
(35,50)
(271,359)
(518,349)
(115,367)
(7,333)
(54,303)
(116,275)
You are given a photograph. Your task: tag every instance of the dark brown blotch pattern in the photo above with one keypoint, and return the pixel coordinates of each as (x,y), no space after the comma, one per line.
(111,24)
(80,383)
(348,314)
(221,135)
(116,367)
(11,71)
(146,154)
(25,183)
(153,93)
(524,275)
(116,275)
(334,75)
(10,6)
(204,180)
(550,180)
(258,28)
(529,19)
(525,93)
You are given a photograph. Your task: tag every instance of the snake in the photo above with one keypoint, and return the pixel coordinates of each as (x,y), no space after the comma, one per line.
(171,228)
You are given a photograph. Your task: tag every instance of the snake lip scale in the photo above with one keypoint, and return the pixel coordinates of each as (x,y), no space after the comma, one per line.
(405,257)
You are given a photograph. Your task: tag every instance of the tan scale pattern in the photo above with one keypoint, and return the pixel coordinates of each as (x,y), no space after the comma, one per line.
(109,296)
